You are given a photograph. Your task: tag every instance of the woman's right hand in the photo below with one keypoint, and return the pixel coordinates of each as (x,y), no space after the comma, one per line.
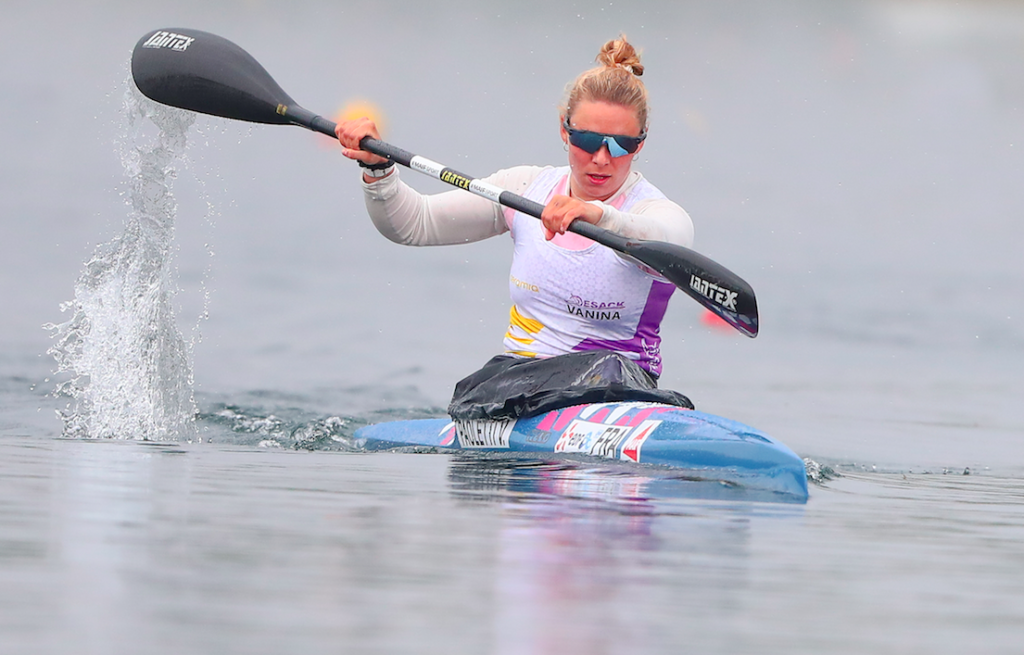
(350,133)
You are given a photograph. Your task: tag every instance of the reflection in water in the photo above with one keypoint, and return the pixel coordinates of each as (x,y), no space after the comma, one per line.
(592,561)
(484,474)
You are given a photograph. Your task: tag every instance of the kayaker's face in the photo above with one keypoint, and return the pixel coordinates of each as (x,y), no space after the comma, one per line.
(597,176)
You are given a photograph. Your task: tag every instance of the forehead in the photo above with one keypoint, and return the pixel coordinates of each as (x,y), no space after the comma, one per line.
(606,117)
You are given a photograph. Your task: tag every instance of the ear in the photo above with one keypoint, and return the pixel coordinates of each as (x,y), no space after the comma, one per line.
(561,129)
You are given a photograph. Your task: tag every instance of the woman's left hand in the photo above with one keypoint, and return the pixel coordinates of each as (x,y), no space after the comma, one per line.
(563,210)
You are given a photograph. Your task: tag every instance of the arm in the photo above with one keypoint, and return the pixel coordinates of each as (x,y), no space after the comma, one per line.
(405,216)
(653,220)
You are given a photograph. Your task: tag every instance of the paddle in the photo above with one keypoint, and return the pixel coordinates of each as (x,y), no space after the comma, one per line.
(208,74)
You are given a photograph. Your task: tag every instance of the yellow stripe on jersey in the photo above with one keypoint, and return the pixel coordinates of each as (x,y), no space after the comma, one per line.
(520,323)
(527,325)
(521,353)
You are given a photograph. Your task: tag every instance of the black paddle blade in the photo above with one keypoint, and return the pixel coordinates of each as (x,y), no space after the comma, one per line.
(706,281)
(203,72)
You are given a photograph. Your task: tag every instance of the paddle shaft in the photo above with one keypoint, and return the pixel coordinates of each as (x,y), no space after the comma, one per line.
(704,280)
(305,118)
(203,72)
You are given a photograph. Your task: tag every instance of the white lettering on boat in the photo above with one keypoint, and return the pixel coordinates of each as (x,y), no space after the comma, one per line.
(484,433)
(603,440)
(592,438)
(169,40)
(715,293)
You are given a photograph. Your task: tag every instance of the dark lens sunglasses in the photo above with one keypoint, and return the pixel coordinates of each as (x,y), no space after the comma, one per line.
(619,145)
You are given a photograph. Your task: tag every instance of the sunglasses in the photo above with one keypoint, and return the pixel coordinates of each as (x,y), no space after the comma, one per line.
(619,145)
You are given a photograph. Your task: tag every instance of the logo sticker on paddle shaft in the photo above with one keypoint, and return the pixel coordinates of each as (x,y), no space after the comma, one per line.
(169,40)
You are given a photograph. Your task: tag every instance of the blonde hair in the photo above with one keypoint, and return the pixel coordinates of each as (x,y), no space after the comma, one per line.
(616,80)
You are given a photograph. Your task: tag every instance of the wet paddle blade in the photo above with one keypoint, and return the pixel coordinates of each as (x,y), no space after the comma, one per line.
(706,281)
(203,72)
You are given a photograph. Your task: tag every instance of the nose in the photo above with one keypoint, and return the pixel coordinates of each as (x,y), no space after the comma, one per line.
(603,155)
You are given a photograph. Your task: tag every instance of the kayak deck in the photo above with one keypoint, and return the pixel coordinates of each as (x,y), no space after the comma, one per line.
(698,445)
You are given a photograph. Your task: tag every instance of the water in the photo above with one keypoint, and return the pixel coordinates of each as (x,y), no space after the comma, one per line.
(126,365)
(857,163)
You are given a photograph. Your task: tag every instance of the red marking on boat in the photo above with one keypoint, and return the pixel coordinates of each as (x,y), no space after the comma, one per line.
(631,449)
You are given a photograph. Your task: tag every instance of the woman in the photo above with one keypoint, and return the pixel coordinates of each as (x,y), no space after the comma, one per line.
(569,294)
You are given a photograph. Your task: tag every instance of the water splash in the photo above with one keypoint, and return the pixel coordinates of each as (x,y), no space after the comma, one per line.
(818,473)
(126,367)
(291,429)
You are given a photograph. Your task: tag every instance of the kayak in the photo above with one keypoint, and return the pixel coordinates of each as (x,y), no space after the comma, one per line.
(692,444)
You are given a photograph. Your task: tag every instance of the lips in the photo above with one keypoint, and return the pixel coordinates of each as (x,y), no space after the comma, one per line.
(597,179)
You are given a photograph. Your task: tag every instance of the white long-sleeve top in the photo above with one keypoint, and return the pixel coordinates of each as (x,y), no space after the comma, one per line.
(405,216)
(569,294)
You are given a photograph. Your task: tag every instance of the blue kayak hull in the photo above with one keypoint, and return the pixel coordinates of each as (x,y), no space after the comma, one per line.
(698,445)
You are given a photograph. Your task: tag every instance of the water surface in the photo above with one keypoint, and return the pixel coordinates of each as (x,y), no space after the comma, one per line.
(857,163)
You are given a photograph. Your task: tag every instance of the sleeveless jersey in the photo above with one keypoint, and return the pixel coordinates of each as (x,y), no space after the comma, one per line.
(567,300)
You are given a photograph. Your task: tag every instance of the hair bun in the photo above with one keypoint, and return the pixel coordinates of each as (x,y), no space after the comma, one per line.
(615,80)
(621,53)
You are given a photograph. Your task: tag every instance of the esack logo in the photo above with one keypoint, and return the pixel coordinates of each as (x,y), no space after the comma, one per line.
(178,42)
(593,309)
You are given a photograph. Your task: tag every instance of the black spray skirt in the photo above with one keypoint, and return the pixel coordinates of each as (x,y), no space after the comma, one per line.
(513,387)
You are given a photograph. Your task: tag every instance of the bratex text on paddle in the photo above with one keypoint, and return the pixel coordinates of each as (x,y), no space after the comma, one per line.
(712,291)
(169,40)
